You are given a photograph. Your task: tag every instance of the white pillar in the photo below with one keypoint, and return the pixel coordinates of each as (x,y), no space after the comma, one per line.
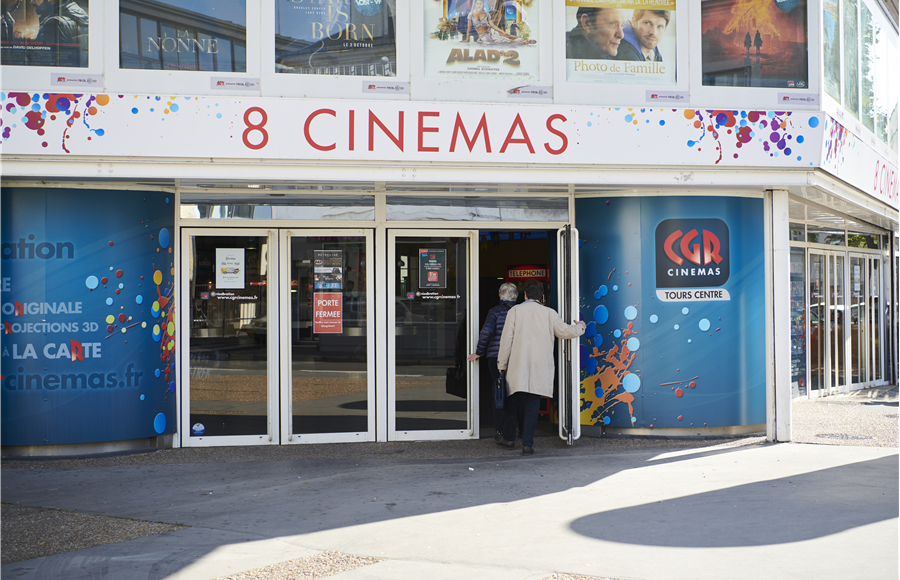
(778,323)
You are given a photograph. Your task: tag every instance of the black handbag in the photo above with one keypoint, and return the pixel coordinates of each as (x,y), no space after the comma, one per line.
(457,383)
(500,391)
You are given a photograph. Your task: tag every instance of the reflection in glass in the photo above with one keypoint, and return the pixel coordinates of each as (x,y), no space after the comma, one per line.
(184,35)
(874,316)
(867,67)
(824,236)
(338,37)
(329,381)
(431,285)
(832,40)
(836,317)
(858,318)
(45,33)
(798,322)
(477,208)
(816,314)
(851,57)
(228,356)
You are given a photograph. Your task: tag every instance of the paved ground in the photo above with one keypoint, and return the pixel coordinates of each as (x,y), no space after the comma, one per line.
(622,509)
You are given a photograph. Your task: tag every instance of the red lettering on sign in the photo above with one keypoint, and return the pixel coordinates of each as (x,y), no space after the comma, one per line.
(560,134)
(423,130)
(309,121)
(481,128)
(525,140)
(373,120)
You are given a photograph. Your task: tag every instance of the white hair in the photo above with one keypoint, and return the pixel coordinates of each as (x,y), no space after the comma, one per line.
(508,291)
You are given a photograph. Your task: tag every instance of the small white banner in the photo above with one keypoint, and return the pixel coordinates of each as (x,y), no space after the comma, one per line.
(693,295)
(233,84)
(667,96)
(390,87)
(530,93)
(794,99)
(75,79)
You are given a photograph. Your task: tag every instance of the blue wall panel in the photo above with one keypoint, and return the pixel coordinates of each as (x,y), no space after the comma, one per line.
(691,361)
(88,316)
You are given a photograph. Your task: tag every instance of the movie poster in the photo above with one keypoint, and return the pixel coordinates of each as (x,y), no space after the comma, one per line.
(336,37)
(625,42)
(44,33)
(754,43)
(482,39)
(831,32)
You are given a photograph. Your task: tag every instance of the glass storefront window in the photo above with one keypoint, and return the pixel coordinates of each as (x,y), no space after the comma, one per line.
(338,37)
(797,232)
(862,240)
(798,322)
(825,236)
(277,207)
(851,57)
(477,208)
(831,34)
(45,33)
(183,35)
(759,44)
(867,66)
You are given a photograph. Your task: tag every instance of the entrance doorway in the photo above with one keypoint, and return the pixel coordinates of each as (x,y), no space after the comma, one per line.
(278,336)
(288,338)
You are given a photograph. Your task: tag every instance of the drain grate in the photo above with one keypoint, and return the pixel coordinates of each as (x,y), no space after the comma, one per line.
(842,436)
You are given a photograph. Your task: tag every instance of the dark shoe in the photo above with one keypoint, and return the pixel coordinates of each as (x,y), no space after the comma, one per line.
(498,438)
(526,450)
(507,444)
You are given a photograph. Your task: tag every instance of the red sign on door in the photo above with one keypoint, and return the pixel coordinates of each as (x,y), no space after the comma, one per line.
(328,313)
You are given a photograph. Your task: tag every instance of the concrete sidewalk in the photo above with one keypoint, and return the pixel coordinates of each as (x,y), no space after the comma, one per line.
(753,511)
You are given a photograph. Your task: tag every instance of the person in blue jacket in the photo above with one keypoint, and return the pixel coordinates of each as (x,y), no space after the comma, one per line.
(489,342)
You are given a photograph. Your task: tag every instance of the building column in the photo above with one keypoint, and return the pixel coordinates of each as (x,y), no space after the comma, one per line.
(778,327)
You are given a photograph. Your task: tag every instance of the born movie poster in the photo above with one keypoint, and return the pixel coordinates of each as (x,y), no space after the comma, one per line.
(627,42)
(754,43)
(336,37)
(44,33)
(482,39)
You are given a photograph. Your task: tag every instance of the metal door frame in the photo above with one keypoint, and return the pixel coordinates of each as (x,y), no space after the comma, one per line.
(272,350)
(386,328)
(287,437)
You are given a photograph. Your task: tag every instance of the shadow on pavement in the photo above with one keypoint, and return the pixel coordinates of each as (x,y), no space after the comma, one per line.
(775,511)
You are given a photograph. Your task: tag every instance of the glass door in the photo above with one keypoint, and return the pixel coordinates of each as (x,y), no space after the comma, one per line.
(817,323)
(328,378)
(230,373)
(837,352)
(875,311)
(432,392)
(859,320)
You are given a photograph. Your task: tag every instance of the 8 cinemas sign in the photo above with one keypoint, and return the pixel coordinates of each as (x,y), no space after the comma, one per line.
(692,260)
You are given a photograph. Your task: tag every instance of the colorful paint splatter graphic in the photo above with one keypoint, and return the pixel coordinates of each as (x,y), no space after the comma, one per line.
(652,358)
(124,293)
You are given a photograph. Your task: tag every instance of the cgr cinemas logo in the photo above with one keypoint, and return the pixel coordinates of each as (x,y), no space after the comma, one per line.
(691,253)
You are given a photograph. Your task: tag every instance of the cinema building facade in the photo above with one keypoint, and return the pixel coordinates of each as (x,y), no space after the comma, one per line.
(284,222)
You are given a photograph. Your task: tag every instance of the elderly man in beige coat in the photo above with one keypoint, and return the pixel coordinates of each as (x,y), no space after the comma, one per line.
(526,353)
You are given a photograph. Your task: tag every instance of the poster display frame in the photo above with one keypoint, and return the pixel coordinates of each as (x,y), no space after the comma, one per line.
(333,86)
(181,82)
(41,78)
(759,97)
(429,88)
(632,95)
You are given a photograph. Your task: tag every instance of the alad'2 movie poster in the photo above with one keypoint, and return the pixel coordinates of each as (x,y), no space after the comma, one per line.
(336,37)
(755,43)
(482,39)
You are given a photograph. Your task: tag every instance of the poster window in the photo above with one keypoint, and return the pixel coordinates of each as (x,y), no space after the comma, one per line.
(336,37)
(191,35)
(45,33)
(831,33)
(755,43)
(630,42)
(851,57)
(482,39)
